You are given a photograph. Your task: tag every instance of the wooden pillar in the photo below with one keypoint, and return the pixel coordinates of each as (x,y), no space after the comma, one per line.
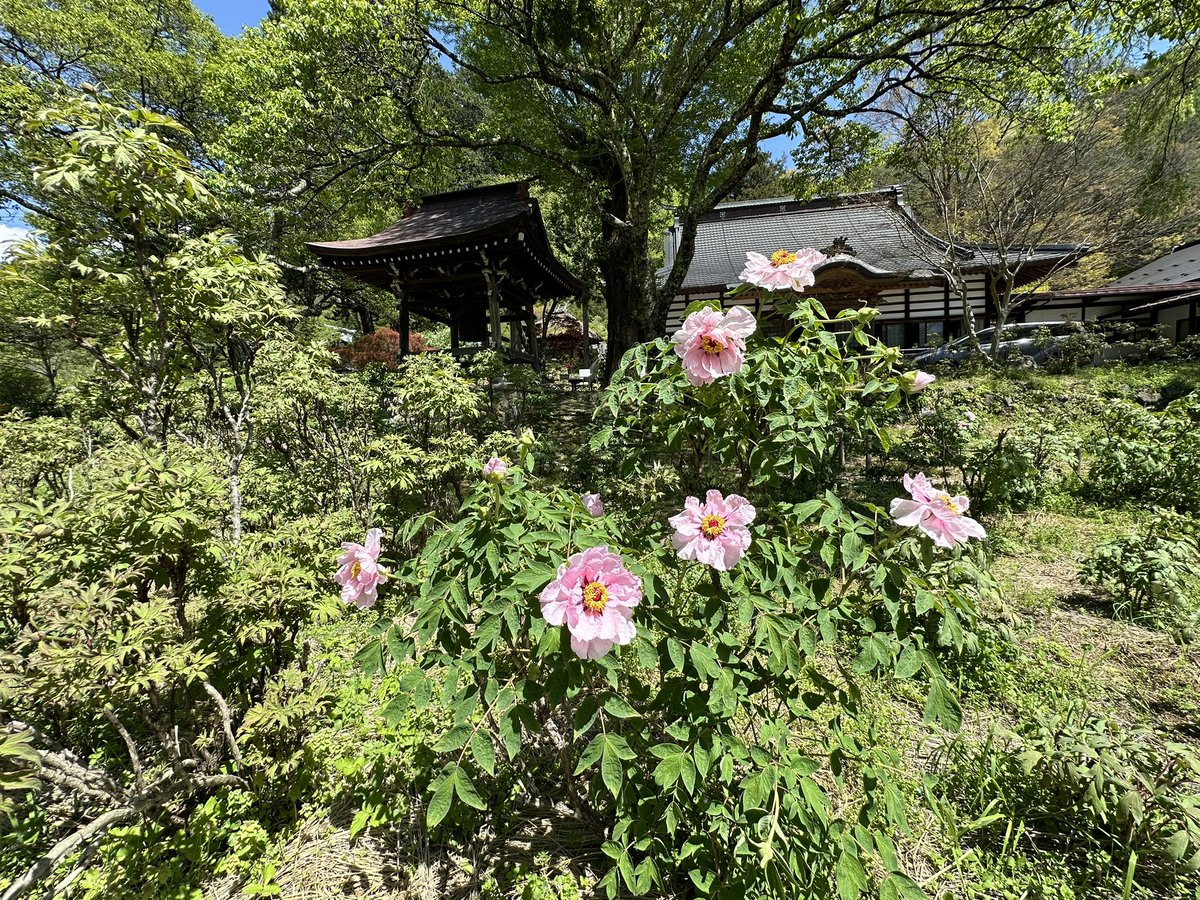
(493,292)
(402,301)
(454,332)
(531,325)
(516,336)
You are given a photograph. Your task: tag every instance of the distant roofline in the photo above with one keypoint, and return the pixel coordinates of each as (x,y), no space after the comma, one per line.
(892,194)
(1117,290)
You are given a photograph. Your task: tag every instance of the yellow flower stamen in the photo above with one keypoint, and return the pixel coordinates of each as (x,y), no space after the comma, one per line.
(711,345)
(712,525)
(356,569)
(782,258)
(595,597)
(949,503)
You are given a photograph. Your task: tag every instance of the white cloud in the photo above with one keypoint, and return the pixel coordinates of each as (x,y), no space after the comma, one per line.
(10,234)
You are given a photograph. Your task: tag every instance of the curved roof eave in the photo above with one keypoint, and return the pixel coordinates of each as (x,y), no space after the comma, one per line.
(376,245)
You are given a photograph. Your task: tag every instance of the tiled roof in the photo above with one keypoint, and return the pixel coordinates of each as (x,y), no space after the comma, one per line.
(453,216)
(1179,266)
(457,225)
(884,237)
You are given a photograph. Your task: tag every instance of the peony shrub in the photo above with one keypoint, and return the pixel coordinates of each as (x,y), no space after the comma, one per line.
(689,683)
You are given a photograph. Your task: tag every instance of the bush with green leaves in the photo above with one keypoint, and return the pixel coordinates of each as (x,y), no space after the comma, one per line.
(384,443)
(1080,347)
(1154,576)
(37,454)
(722,751)
(148,663)
(1148,456)
(804,404)
(1016,467)
(1124,792)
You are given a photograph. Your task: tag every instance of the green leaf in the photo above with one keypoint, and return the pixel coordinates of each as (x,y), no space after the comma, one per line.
(393,712)
(620,746)
(941,705)
(439,803)
(359,822)
(851,876)
(483,751)
(398,647)
(909,663)
(370,657)
(669,770)
(590,754)
(465,788)
(612,772)
(453,739)
(510,732)
(675,652)
(617,706)
(705,661)
(904,888)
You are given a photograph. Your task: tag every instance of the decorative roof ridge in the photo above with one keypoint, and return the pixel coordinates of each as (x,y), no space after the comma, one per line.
(516,190)
(886,195)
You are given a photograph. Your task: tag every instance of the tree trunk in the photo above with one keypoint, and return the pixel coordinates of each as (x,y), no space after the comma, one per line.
(968,313)
(366,321)
(628,279)
(1003,300)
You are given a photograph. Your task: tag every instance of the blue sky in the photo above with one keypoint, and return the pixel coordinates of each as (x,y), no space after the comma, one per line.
(232,15)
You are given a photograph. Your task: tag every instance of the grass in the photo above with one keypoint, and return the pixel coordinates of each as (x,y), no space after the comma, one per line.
(1054,647)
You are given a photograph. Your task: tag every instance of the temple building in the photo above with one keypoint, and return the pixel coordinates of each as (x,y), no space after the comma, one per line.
(878,256)
(1161,296)
(476,260)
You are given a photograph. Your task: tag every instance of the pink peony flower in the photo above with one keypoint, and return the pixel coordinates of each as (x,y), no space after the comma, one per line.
(593,504)
(359,572)
(784,271)
(594,594)
(495,469)
(916,381)
(713,344)
(936,513)
(716,532)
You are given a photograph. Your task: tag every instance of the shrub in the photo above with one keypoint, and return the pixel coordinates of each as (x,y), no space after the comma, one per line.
(380,347)
(1119,791)
(804,405)
(720,753)
(1020,467)
(383,444)
(149,666)
(1155,575)
(1149,456)
(1015,468)
(1080,348)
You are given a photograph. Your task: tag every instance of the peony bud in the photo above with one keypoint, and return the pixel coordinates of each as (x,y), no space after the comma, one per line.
(916,381)
(495,469)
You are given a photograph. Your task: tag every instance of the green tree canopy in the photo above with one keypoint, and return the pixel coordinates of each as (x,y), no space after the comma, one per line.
(641,109)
